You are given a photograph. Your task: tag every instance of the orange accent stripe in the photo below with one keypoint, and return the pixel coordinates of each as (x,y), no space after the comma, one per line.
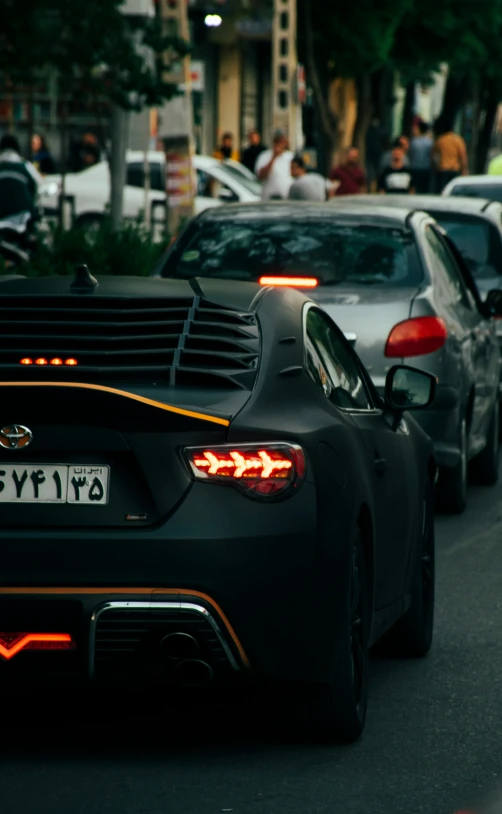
(58,591)
(9,652)
(150,402)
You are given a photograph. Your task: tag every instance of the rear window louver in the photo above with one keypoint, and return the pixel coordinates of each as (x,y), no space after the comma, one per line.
(180,341)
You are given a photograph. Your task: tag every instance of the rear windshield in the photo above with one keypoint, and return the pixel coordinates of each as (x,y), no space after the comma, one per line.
(333,253)
(492,192)
(478,241)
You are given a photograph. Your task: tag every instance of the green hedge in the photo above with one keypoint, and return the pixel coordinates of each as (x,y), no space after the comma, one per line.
(129,250)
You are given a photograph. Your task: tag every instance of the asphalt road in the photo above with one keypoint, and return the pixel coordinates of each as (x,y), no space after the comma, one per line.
(432,742)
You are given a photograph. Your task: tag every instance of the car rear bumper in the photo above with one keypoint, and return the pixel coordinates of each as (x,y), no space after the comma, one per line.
(259,592)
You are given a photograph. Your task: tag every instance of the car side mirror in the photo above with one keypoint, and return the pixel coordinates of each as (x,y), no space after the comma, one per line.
(407,388)
(493,302)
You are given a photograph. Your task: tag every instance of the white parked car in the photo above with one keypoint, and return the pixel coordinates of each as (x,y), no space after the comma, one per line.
(476,186)
(218,182)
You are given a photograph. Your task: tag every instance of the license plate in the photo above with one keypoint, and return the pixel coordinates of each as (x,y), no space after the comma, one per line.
(54,483)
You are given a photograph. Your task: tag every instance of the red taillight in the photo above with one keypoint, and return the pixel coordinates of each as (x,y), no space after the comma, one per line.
(71,362)
(41,361)
(263,470)
(26,361)
(13,643)
(295,282)
(416,337)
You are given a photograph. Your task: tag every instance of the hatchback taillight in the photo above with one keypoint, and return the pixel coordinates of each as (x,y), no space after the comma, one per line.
(416,337)
(261,470)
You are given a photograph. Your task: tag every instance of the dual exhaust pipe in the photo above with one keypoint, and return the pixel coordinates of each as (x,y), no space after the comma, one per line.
(188,671)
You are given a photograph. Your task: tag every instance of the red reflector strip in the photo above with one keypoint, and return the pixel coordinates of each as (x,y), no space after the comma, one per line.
(13,643)
(237,464)
(296,282)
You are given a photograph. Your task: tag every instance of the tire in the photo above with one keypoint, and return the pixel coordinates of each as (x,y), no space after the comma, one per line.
(451,492)
(336,712)
(413,634)
(484,469)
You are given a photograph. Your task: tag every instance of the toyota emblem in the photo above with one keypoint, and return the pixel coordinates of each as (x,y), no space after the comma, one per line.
(15,436)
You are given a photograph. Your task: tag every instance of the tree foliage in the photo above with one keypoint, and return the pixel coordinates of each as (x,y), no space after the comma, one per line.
(92,45)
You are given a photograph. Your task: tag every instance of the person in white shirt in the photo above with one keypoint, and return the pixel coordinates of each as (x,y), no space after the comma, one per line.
(273,168)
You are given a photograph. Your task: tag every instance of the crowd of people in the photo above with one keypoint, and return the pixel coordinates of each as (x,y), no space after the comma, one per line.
(423,164)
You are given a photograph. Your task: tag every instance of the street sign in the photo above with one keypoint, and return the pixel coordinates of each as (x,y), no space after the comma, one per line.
(301,85)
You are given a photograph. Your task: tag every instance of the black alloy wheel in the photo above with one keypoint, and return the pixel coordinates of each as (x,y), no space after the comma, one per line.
(336,712)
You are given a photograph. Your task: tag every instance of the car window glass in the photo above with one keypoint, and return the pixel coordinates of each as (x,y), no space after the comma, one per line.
(447,276)
(492,192)
(136,175)
(245,248)
(348,389)
(478,241)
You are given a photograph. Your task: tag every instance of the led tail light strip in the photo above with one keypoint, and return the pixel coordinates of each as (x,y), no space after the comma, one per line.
(41,361)
(295,282)
(13,643)
(263,470)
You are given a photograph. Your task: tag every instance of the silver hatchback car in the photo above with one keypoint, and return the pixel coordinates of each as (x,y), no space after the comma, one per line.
(396,285)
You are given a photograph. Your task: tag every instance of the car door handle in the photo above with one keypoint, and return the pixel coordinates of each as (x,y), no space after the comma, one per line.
(380,465)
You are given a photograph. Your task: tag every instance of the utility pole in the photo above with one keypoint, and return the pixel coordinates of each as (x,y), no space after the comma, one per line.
(180,179)
(286,109)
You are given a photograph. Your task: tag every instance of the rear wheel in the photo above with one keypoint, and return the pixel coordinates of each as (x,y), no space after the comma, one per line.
(337,711)
(412,636)
(484,469)
(451,492)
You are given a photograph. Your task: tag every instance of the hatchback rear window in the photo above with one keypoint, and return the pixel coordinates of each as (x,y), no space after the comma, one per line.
(332,252)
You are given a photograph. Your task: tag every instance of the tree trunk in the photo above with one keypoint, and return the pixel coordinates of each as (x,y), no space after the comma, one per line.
(326,118)
(364,113)
(454,97)
(485,134)
(408,110)
(119,129)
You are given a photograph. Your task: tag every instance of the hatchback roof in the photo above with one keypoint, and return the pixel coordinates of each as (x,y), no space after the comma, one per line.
(300,210)
(425,203)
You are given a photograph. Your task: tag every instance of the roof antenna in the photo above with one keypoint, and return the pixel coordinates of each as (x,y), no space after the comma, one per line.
(84,281)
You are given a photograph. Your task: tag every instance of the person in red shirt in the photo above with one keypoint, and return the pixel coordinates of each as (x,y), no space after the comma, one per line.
(350,175)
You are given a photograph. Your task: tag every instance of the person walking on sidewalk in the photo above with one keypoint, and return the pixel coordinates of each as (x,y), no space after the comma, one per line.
(307,186)
(350,175)
(226,148)
(420,155)
(253,150)
(396,178)
(449,155)
(273,168)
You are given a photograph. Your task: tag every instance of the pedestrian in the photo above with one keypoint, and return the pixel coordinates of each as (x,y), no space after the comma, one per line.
(404,143)
(449,155)
(273,168)
(19,180)
(349,174)
(374,150)
(306,186)
(226,148)
(420,156)
(253,150)
(396,177)
(85,153)
(41,157)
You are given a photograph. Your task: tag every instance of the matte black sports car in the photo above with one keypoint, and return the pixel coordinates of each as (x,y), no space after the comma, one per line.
(199,480)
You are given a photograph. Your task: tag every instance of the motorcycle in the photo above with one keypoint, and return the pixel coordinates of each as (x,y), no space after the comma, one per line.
(17,239)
